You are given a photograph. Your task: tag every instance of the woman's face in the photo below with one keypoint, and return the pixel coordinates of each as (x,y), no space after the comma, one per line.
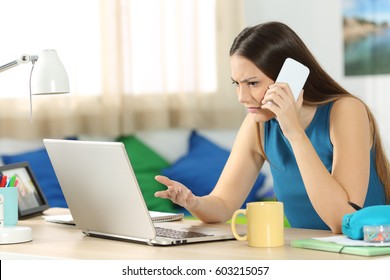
(251,86)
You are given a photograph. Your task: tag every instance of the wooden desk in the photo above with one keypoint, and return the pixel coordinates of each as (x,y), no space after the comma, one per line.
(67,242)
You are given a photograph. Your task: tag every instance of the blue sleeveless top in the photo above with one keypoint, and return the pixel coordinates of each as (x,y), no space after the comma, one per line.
(288,184)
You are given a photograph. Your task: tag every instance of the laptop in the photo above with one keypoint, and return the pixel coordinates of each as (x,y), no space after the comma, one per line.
(105,200)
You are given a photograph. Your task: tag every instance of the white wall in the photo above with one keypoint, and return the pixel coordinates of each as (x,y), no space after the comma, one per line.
(319,23)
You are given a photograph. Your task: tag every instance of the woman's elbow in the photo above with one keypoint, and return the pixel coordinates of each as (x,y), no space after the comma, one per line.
(335,228)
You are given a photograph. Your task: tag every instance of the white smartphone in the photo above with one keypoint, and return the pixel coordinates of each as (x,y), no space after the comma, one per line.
(294,74)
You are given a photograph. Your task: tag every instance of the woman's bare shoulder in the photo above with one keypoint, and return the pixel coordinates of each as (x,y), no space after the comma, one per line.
(348,109)
(349,116)
(347,104)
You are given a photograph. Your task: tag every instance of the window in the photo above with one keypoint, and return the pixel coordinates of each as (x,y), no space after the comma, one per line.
(131,65)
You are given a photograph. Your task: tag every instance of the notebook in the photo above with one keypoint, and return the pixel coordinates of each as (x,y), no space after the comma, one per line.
(315,244)
(155,215)
(105,200)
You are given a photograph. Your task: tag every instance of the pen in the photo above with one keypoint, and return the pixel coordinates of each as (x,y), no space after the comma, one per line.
(354,206)
(8,181)
(12,181)
(3,181)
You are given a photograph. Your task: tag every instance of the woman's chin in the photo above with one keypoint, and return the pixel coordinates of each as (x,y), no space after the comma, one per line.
(263,115)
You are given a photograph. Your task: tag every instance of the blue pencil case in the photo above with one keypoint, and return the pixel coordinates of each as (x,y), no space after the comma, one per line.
(353,223)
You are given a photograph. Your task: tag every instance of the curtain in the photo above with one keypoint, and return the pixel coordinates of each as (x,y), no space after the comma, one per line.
(142,70)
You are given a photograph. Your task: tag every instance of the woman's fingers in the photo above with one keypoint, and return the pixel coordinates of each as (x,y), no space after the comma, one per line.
(163,180)
(175,191)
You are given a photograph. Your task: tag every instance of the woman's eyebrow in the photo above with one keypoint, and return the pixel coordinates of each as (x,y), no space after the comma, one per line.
(245,80)
(248,79)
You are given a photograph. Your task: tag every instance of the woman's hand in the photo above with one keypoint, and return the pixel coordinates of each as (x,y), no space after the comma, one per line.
(177,193)
(280,100)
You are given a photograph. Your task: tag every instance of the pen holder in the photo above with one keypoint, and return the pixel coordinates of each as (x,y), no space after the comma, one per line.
(9,205)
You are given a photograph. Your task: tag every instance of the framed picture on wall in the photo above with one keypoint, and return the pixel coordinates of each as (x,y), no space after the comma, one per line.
(31,199)
(366,29)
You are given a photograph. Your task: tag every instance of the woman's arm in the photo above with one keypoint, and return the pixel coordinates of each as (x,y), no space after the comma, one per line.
(235,183)
(350,136)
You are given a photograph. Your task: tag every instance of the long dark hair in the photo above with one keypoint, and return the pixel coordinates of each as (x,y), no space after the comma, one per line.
(267,45)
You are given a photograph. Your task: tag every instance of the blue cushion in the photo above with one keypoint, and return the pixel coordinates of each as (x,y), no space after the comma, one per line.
(43,170)
(201,167)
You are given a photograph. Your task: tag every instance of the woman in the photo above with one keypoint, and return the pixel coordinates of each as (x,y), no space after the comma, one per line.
(324,150)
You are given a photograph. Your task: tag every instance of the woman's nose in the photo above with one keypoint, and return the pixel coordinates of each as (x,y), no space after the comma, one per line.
(243,95)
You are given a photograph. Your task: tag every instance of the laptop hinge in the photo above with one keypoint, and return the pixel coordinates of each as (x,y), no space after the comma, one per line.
(117,237)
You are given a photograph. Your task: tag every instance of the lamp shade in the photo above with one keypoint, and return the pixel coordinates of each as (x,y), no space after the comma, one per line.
(49,75)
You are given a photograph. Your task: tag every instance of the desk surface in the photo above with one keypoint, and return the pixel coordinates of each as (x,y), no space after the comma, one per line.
(67,242)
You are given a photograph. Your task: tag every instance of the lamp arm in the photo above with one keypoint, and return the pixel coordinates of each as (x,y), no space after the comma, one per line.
(23,59)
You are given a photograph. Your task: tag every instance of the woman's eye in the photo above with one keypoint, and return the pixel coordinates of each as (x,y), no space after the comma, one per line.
(253,84)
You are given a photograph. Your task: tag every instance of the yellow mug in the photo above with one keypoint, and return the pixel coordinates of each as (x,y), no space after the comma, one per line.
(265,224)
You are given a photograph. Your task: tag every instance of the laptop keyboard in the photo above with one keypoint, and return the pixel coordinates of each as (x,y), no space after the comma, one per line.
(178,234)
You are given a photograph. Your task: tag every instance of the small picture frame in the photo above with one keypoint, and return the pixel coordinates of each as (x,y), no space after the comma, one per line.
(31,200)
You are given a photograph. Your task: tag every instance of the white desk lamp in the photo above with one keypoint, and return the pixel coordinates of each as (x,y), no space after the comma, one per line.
(48,76)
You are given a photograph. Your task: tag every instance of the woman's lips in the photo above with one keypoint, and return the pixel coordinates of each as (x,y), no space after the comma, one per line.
(253,109)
